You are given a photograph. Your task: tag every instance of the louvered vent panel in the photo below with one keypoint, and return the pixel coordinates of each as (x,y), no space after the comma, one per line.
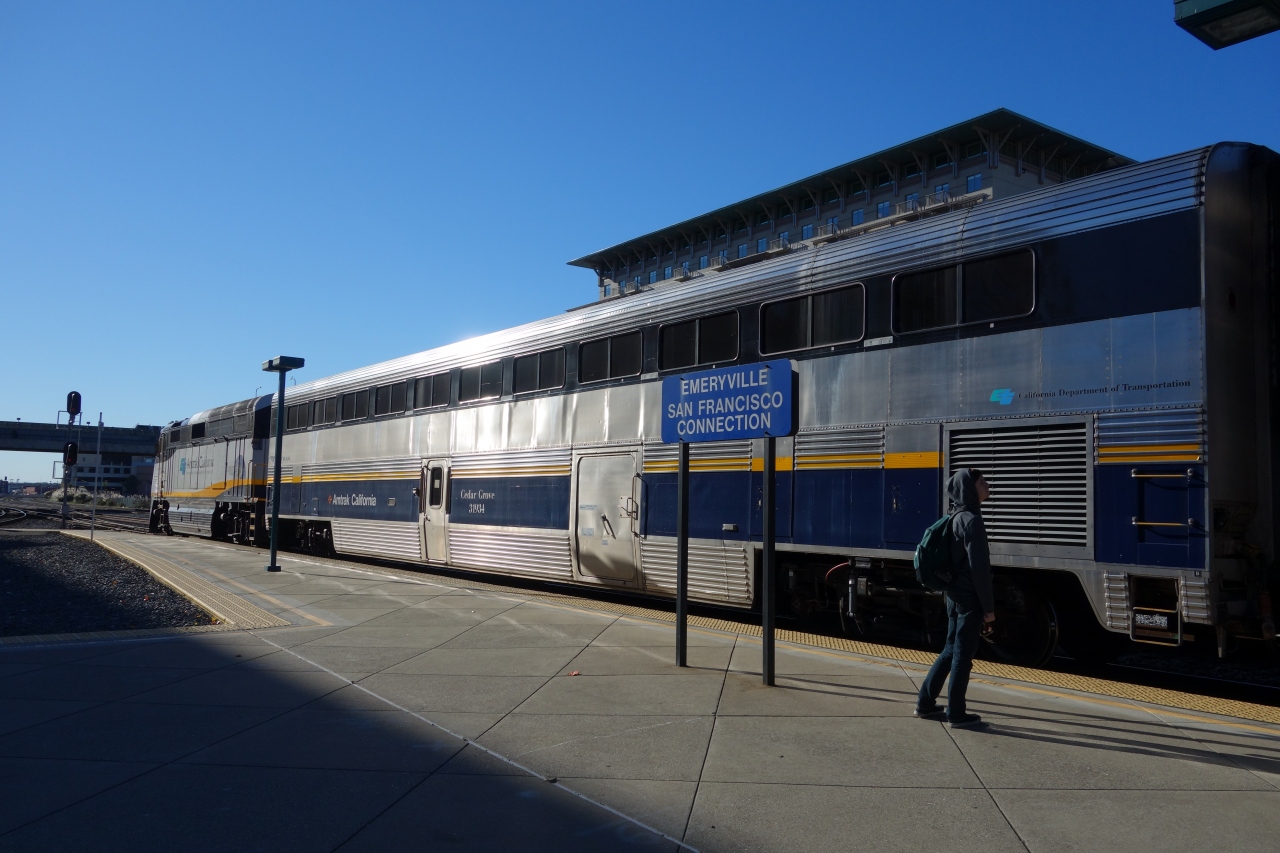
(1039,478)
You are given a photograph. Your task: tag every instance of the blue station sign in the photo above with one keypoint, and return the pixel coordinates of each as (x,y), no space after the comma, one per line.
(731,403)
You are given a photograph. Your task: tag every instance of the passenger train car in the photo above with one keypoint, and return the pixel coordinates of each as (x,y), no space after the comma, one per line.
(1104,350)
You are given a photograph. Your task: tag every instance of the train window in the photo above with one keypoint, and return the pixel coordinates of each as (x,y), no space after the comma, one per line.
(331,410)
(435,490)
(823,319)
(626,355)
(924,300)
(480,382)
(175,434)
(718,338)
(355,406)
(1002,286)
(837,316)
(398,397)
(296,417)
(540,371)
(197,431)
(784,325)
(526,378)
(382,400)
(678,345)
(973,292)
(491,380)
(593,361)
(551,369)
(440,389)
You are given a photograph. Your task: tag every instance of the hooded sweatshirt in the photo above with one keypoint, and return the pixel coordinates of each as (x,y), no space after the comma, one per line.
(969,548)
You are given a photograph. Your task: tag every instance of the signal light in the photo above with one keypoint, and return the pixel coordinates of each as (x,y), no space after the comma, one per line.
(73,404)
(70,452)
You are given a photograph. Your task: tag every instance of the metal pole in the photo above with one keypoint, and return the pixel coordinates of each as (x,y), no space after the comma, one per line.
(682,557)
(65,511)
(767,593)
(97,474)
(275,489)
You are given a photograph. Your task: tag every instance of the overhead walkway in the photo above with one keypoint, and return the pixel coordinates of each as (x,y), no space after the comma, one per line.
(403,710)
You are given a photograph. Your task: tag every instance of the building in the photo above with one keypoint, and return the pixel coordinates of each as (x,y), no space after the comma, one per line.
(995,155)
(115,472)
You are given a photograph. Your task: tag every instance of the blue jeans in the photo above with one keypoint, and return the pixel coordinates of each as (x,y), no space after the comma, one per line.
(964,626)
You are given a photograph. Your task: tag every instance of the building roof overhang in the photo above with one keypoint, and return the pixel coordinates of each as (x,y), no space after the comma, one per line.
(999,131)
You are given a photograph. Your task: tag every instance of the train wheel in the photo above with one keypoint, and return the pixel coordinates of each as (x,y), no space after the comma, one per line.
(1025,632)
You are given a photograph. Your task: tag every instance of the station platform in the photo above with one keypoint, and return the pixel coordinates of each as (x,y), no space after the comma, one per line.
(351,707)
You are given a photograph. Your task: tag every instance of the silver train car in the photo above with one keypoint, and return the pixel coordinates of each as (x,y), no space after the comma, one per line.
(1104,350)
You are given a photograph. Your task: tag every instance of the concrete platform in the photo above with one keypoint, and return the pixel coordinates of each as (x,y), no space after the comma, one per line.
(411,711)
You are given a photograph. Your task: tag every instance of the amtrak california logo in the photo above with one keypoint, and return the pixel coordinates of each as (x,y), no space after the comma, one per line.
(182,465)
(1003,396)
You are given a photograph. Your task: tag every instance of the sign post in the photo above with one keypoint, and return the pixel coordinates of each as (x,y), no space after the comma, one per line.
(747,401)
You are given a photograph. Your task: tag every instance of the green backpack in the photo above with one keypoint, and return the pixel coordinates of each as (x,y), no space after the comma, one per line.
(935,569)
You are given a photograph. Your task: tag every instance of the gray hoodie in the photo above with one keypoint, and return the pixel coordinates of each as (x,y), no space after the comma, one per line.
(969,539)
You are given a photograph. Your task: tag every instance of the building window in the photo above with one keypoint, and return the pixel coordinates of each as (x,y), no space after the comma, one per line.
(762,245)
(972,292)
(685,266)
(540,371)
(666,273)
(973,183)
(941,190)
(806,232)
(610,358)
(857,217)
(702,262)
(834,222)
(724,255)
(882,209)
(606,290)
(742,250)
(940,160)
(431,391)
(823,319)
(482,382)
(831,196)
(913,201)
(709,340)
(784,239)
(653,277)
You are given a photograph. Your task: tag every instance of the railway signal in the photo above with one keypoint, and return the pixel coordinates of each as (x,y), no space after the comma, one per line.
(73,404)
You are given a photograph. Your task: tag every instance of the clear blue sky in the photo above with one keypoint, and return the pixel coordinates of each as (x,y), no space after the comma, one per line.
(189,188)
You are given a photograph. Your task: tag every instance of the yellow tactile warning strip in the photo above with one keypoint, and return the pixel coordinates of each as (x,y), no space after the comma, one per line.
(230,608)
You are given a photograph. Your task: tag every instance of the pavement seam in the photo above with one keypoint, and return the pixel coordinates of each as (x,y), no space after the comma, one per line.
(711,736)
(492,753)
(986,790)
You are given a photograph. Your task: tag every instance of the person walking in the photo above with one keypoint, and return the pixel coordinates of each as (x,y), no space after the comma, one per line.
(970,602)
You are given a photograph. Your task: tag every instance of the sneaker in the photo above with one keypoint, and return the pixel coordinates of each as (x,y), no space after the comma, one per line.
(966,721)
(930,713)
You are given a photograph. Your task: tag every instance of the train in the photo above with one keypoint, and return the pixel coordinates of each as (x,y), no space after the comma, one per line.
(1104,350)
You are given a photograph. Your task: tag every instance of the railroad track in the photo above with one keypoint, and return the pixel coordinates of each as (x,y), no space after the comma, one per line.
(12,512)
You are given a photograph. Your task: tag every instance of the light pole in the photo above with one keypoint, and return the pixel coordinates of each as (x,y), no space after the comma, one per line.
(281,364)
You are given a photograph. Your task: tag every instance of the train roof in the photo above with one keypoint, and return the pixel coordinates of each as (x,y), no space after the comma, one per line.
(1138,191)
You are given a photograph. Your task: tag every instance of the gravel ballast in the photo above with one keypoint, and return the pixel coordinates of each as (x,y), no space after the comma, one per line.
(56,584)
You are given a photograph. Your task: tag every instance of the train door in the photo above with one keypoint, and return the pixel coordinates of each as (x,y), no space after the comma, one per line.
(433,504)
(605,516)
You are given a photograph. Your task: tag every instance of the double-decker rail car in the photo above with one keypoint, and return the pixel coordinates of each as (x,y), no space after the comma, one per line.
(1104,350)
